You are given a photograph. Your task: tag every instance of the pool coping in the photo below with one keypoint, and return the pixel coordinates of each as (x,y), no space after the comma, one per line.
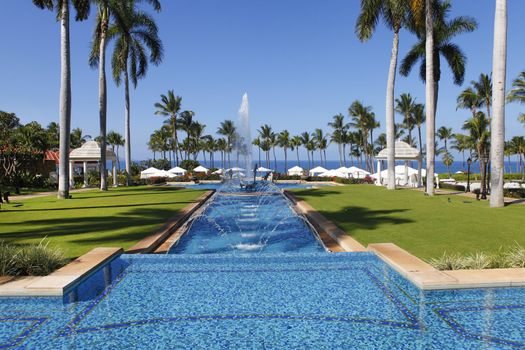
(324,226)
(150,243)
(427,277)
(58,282)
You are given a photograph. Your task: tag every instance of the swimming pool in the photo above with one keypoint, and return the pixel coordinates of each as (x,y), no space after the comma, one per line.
(311,300)
(278,185)
(247,225)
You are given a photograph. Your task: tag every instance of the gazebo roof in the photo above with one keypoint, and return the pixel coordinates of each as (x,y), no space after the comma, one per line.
(403,151)
(90,151)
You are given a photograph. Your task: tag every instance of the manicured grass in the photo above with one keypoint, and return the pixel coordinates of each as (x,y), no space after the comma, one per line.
(422,225)
(117,218)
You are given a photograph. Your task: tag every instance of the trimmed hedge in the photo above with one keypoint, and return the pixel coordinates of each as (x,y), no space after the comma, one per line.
(454,187)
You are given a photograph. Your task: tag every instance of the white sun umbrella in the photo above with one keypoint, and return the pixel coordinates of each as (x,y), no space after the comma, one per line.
(295,171)
(357,172)
(236,169)
(160,173)
(177,171)
(262,169)
(317,170)
(218,172)
(200,169)
(146,174)
(334,173)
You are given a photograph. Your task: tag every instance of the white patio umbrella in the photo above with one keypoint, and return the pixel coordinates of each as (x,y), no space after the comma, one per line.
(235,169)
(263,170)
(146,174)
(177,171)
(357,172)
(218,172)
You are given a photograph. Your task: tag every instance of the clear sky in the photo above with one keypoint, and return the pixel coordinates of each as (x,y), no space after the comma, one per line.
(299,61)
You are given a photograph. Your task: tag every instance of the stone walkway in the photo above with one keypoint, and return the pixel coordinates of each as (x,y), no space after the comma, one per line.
(43,194)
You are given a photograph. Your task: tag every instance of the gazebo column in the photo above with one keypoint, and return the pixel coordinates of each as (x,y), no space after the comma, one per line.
(378,181)
(114,169)
(419,178)
(405,177)
(71,175)
(86,184)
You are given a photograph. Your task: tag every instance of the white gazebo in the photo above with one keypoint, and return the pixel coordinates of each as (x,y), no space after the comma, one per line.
(317,171)
(149,172)
(89,152)
(295,171)
(200,169)
(177,171)
(403,151)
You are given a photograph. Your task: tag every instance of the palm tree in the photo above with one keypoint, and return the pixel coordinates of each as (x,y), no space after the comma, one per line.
(295,143)
(361,120)
(445,134)
(170,107)
(268,140)
(77,139)
(284,142)
(222,146)
(483,89)
(405,106)
(82,11)
(306,141)
(517,94)
(435,41)
(257,142)
(497,134)
(394,14)
(227,129)
(460,143)
(448,160)
(321,143)
(136,44)
(478,128)
(115,140)
(339,127)
(418,115)
(185,122)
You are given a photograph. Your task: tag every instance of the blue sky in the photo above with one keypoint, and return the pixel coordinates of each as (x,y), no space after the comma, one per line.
(299,61)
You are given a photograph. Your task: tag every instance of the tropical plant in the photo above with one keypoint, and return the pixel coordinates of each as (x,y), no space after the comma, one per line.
(268,141)
(227,129)
(405,105)
(445,134)
(295,143)
(339,129)
(435,40)
(170,107)
(308,144)
(363,119)
(116,140)
(478,128)
(321,143)
(460,143)
(448,160)
(81,13)
(284,142)
(394,14)
(136,45)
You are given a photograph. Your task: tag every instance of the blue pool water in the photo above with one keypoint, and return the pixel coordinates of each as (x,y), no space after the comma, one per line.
(265,301)
(247,224)
(216,186)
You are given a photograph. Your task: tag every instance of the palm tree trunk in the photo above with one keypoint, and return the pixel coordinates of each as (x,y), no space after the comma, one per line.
(390,122)
(430,99)
(420,143)
(274,159)
(127,128)
(298,161)
(259,149)
(344,154)
(175,140)
(65,103)
(285,159)
(102,88)
(497,135)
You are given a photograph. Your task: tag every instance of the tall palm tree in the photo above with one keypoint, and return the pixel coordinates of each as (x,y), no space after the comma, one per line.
(361,120)
(321,142)
(478,128)
(227,129)
(222,147)
(307,143)
(405,106)
(394,14)
(339,126)
(284,142)
(115,140)
(185,122)
(136,45)
(435,40)
(295,143)
(517,94)
(419,118)
(497,134)
(445,134)
(483,89)
(460,143)
(257,142)
(268,139)
(82,11)
(170,107)
(77,139)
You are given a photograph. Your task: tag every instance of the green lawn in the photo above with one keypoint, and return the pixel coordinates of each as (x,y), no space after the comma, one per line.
(422,225)
(118,218)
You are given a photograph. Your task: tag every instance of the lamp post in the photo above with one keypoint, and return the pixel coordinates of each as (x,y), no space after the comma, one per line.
(484,184)
(469,162)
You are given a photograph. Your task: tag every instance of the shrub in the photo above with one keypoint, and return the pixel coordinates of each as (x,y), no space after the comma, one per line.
(513,258)
(454,187)
(287,177)
(30,260)
(514,192)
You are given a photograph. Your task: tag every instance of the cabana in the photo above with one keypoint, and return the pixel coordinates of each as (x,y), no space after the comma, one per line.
(88,153)
(262,169)
(218,172)
(149,172)
(317,171)
(177,171)
(357,173)
(403,151)
(200,169)
(295,171)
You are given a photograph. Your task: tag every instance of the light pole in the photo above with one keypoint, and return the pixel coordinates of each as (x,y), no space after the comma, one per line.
(484,184)
(469,162)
